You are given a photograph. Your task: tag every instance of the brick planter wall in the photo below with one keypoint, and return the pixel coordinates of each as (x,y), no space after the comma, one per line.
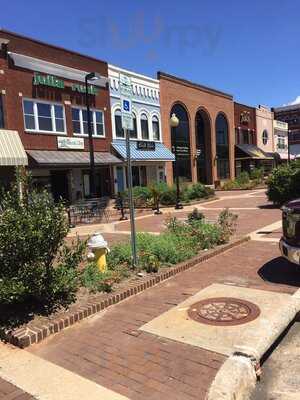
(28,335)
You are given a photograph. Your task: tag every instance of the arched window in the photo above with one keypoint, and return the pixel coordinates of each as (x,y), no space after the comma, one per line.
(133,133)
(144,126)
(118,124)
(181,139)
(265,137)
(155,128)
(222,148)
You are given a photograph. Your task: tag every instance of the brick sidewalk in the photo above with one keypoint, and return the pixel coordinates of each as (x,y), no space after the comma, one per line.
(11,392)
(110,350)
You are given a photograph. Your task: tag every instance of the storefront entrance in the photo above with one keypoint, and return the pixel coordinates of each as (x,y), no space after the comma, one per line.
(59,185)
(203,144)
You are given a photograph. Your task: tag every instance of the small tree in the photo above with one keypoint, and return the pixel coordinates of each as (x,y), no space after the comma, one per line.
(35,264)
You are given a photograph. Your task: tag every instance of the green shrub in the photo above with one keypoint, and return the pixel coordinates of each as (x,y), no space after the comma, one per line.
(243,178)
(36,265)
(229,185)
(149,262)
(257,174)
(195,191)
(284,183)
(97,281)
(227,222)
(168,195)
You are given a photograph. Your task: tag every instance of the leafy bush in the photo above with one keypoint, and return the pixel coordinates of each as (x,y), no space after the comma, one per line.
(36,265)
(149,262)
(195,191)
(284,183)
(227,222)
(257,174)
(243,178)
(97,281)
(229,185)
(168,195)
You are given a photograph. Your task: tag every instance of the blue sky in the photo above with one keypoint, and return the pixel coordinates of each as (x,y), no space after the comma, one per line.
(249,49)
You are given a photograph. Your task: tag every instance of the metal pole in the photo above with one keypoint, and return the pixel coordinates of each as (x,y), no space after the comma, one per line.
(178,206)
(91,144)
(131,204)
(289,152)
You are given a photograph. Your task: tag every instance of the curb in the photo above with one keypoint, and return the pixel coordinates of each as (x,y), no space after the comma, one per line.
(28,335)
(237,377)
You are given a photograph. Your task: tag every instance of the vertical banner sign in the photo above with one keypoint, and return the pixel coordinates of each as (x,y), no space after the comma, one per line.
(126,106)
(127,125)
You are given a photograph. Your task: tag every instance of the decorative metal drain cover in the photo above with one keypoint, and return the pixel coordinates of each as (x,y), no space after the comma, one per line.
(223,311)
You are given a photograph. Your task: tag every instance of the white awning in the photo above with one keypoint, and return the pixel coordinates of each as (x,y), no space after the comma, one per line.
(38,65)
(12,152)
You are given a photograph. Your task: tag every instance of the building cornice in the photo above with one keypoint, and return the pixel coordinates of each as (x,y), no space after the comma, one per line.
(181,81)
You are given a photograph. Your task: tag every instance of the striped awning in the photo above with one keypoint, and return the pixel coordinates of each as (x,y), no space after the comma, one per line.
(12,152)
(57,158)
(160,153)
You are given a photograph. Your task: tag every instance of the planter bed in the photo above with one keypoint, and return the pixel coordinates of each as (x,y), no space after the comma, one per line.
(40,328)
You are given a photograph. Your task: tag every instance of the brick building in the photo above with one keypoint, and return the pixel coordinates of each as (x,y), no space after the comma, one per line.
(43,101)
(205,135)
(253,137)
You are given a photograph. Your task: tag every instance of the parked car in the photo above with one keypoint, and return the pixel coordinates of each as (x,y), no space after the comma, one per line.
(290,242)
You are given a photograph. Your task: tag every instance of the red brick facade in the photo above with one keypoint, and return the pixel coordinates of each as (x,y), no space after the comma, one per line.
(245,120)
(193,98)
(18,84)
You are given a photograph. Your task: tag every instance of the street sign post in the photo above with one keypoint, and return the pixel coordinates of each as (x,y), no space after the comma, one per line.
(127,125)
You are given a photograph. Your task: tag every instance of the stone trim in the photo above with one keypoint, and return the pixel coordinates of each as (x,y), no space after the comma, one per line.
(28,335)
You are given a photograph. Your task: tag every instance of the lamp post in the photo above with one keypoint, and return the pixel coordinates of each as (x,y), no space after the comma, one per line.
(289,151)
(92,76)
(174,122)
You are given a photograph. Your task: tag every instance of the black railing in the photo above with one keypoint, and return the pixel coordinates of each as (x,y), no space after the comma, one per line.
(88,212)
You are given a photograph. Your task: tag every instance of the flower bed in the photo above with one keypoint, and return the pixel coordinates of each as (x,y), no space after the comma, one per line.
(41,276)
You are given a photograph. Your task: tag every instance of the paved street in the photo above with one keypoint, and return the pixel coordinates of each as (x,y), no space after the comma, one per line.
(111,351)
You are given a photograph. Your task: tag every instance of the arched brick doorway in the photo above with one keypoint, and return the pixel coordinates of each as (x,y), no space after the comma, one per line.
(222,147)
(203,146)
(181,136)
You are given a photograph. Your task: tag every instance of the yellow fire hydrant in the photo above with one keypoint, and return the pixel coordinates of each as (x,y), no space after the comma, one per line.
(98,250)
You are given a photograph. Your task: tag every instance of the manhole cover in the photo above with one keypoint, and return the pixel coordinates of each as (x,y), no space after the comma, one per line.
(223,311)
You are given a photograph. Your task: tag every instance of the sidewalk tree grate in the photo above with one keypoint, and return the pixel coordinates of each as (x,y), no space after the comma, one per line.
(222,311)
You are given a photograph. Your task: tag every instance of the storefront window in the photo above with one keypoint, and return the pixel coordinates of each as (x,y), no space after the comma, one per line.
(155,128)
(144,127)
(80,123)
(133,133)
(118,124)
(43,117)
(222,148)
(180,137)
(1,113)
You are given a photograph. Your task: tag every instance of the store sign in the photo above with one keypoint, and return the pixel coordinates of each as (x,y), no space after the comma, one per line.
(52,81)
(245,117)
(141,145)
(70,143)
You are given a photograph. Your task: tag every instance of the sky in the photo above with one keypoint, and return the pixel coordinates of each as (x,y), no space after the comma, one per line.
(248,49)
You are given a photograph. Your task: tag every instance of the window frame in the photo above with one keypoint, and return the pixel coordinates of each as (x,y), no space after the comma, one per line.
(263,137)
(94,123)
(155,116)
(36,117)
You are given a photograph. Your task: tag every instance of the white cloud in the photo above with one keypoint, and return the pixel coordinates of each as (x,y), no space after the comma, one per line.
(296,101)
